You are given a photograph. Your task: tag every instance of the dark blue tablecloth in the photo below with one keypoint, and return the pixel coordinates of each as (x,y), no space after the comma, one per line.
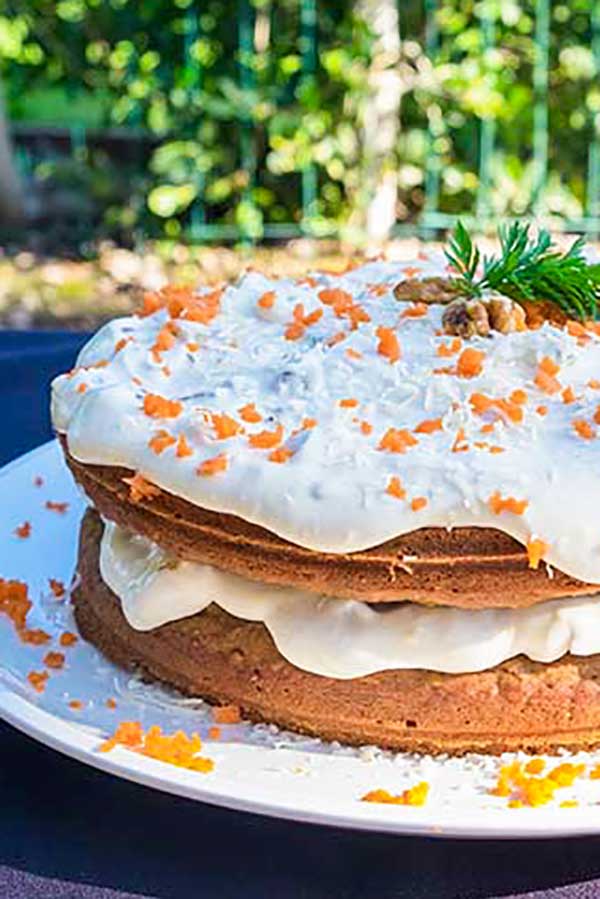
(68,831)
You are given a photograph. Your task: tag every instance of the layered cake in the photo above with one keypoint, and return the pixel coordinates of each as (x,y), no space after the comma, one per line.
(360,506)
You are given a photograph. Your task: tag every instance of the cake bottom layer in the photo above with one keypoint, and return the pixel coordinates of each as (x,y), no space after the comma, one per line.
(517,705)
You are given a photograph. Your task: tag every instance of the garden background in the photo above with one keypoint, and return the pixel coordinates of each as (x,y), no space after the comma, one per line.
(169,139)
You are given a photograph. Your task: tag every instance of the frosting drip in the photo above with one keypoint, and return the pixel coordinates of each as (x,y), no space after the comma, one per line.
(342,638)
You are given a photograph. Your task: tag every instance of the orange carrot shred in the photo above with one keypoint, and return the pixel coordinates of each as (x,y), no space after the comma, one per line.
(349,403)
(388,345)
(280,455)
(183,448)
(267,300)
(429,426)
(470,363)
(418,503)
(584,429)
(499,504)
(395,488)
(213,466)
(225,426)
(249,413)
(161,441)
(536,549)
(266,439)
(156,406)
(397,441)
(140,488)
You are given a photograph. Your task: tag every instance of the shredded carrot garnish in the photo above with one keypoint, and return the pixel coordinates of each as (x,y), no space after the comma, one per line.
(415,796)
(545,379)
(349,403)
(411,271)
(174,749)
(183,448)
(182,302)
(353,354)
(507,409)
(111,703)
(418,503)
(161,441)
(267,300)
(81,388)
(470,363)
(55,660)
(416,310)
(308,423)
(460,444)
(536,550)
(76,705)
(38,680)
(226,714)
(214,732)
(568,395)
(165,340)
(344,306)
(280,455)
(388,345)
(266,439)
(397,441)
(542,410)
(576,329)
(60,508)
(225,426)
(23,530)
(366,427)
(594,384)
(521,790)
(140,488)
(584,429)
(519,397)
(248,413)
(449,349)
(67,639)
(597,415)
(213,466)
(499,504)
(192,346)
(535,766)
(395,488)
(157,406)
(301,322)
(15,604)
(429,426)
(122,343)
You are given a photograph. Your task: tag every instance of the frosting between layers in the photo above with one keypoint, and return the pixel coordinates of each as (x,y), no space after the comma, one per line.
(342,638)
(330,494)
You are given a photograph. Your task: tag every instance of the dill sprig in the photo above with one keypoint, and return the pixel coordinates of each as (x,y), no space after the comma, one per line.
(529,268)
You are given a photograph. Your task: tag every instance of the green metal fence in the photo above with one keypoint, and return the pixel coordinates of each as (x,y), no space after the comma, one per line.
(433,218)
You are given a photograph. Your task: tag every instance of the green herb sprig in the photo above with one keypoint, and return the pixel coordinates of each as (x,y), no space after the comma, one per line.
(529,268)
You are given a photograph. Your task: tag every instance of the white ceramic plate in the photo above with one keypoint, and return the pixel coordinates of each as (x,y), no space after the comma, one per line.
(257,768)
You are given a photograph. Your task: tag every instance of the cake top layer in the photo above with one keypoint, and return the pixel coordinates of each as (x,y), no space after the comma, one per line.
(330,413)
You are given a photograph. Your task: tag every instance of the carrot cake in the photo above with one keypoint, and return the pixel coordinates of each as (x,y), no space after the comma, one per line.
(363,506)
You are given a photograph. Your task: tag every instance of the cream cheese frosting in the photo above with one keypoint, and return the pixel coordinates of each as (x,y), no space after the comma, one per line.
(329,489)
(342,638)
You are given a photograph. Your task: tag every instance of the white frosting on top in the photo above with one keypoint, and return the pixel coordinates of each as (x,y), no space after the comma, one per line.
(342,638)
(331,494)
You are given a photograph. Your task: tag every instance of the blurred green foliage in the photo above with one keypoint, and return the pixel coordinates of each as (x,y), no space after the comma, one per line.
(236,125)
